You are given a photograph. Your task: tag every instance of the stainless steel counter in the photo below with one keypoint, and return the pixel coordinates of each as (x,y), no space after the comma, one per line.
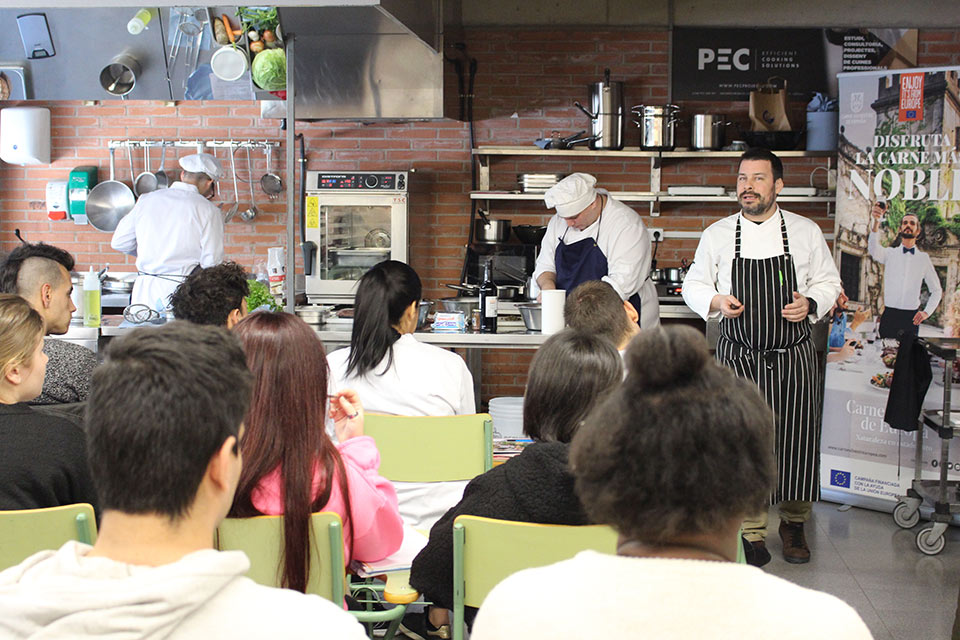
(469,340)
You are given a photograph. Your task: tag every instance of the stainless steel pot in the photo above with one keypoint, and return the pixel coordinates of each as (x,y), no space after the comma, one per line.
(605,113)
(707,131)
(657,126)
(120,76)
(490,231)
(463,304)
(109,201)
(532,316)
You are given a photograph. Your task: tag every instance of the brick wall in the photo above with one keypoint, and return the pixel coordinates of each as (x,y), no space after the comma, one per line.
(526,84)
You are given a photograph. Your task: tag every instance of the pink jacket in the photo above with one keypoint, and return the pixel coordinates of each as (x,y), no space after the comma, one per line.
(375,519)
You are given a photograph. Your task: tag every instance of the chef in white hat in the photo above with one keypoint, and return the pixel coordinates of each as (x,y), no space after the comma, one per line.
(595,237)
(171,231)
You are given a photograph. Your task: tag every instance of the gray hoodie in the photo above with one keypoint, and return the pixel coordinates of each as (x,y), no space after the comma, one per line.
(64,594)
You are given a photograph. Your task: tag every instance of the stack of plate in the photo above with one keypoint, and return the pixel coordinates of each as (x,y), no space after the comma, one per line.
(507,414)
(538,182)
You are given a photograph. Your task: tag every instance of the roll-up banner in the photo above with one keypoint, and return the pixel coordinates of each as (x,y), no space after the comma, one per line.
(898,251)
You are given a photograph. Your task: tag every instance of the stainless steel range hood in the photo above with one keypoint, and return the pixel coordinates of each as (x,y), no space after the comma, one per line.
(377,61)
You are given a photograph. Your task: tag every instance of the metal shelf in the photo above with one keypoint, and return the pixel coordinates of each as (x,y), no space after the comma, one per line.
(626,152)
(623,196)
(689,153)
(729,198)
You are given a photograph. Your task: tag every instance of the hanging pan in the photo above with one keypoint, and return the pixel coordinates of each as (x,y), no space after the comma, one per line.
(109,201)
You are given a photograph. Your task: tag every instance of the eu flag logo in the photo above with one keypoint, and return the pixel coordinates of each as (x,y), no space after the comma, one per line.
(840,478)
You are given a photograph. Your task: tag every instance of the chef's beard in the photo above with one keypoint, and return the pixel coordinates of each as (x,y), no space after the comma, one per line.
(759,207)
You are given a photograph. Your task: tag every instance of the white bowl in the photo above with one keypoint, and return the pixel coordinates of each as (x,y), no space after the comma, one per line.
(228,64)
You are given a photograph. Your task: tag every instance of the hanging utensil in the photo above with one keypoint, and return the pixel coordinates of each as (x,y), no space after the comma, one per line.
(146,181)
(129,146)
(232,211)
(162,180)
(271,183)
(109,201)
(252,211)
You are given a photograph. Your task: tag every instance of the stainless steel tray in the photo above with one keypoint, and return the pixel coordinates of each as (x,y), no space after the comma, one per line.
(360,257)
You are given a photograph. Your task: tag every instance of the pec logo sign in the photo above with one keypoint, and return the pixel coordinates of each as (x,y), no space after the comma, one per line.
(724,59)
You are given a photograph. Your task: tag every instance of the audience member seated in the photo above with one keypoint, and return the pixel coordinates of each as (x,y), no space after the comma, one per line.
(40,273)
(673,461)
(216,296)
(43,462)
(164,420)
(291,466)
(596,307)
(570,373)
(390,370)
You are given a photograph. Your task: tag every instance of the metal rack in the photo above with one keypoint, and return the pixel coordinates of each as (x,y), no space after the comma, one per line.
(906,513)
(198,144)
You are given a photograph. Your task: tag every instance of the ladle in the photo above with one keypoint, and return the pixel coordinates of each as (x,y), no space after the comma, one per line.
(232,211)
(146,181)
(252,212)
(271,183)
(162,180)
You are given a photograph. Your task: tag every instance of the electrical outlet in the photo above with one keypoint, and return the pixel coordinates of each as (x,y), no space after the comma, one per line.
(656,233)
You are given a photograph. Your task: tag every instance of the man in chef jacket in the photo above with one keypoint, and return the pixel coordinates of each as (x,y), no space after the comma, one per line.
(768,274)
(905,268)
(171,231)
(595,237)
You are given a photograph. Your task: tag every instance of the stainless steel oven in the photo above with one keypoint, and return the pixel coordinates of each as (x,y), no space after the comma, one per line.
(354,220)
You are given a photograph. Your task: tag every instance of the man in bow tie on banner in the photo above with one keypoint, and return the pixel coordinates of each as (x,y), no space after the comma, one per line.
(905,267)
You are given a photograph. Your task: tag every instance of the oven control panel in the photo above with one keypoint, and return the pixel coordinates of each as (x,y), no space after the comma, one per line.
(357,181)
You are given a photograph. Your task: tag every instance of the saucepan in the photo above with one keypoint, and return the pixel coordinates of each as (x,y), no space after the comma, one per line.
(490,231)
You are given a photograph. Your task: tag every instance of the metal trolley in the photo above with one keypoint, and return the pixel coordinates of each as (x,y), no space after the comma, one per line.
(930,539)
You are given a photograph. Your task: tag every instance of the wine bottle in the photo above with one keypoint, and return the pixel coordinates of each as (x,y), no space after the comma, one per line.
(488,302)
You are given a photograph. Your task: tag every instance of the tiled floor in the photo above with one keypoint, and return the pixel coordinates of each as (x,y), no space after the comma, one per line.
(864,558)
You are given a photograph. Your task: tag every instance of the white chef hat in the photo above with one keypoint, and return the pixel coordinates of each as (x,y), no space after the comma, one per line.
(202,163)
(571,195)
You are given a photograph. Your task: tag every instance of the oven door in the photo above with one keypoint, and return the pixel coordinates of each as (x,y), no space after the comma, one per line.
(353,232)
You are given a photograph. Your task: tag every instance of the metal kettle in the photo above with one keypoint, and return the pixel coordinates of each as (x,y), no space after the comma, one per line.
(605,113)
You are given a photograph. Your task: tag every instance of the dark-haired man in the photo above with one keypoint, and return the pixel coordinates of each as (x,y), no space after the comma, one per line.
(596,308)
(905,268)
(40,273)
(216,296)
(163,448)
(768,273)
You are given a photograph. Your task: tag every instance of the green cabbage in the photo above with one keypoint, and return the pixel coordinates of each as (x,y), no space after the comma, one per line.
(269,69)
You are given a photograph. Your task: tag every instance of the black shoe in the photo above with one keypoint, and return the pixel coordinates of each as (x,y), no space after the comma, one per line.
(755,552)
(418,627)
(795,549)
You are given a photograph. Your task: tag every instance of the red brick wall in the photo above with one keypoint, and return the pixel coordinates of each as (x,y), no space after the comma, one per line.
(526,84)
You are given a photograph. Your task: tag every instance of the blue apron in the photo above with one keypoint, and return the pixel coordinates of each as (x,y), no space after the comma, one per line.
(583,261)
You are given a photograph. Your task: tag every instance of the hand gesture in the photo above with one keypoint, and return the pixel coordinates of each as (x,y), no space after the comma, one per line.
(796,310)
(347,414)
(728,306)
(919,317)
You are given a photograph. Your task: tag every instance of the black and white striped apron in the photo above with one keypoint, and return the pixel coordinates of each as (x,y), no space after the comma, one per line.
(779,356)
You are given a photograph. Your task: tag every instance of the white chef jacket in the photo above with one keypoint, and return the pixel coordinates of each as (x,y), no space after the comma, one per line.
(424,380)
(170,231)
(624,241)
(709,275)
(902,275)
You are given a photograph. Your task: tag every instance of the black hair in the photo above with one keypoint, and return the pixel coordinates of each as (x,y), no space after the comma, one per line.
(10,270)
(596,307)
(570,373)
(160,406)
(760,153)
(682,447)
(207,296)
(384,293)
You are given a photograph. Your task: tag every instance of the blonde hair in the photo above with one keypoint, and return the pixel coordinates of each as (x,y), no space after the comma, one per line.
(21,328)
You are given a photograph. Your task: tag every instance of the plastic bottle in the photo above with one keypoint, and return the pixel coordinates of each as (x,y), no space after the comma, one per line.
(91,299)
(139,21)
(276,269)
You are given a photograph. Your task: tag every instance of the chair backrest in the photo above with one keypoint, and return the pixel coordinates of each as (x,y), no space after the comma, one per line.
(487,550)
(432,448)
(25,532)
(261,538)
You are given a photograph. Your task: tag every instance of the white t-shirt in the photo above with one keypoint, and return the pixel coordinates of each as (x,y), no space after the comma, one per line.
(595,595)
(423,380)
(817,275)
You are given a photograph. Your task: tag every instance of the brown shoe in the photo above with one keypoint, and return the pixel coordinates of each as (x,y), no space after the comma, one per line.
(795,549)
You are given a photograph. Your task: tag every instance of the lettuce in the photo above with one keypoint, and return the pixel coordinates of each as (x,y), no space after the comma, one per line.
(269,69)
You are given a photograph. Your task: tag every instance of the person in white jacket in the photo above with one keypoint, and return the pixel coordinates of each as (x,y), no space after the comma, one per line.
(171,231)
(392,372)
(162,440)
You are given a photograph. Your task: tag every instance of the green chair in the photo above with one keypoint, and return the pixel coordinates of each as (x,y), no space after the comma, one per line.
(487,550)
(25,532)
(261,538)
(432,448)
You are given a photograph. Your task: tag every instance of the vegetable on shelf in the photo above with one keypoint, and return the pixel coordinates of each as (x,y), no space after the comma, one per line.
(269,69)
(259,296)
(220,33)
(252,35)
(270,38)
(258,18)
(226,26)
(257,46)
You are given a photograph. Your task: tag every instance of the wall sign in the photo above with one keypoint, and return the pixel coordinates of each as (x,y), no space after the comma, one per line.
(726,64)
